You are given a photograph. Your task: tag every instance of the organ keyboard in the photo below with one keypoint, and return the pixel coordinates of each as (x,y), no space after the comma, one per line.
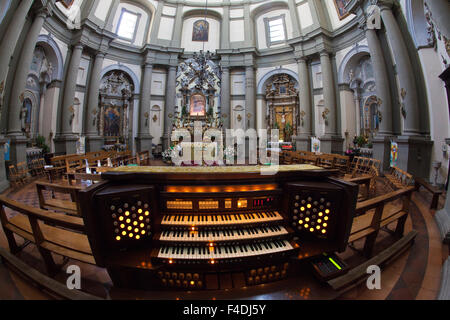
(155,228)
(221,219)
(223,235)
(217,253)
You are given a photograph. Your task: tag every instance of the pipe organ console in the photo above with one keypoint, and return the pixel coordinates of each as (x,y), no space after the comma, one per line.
(162,227)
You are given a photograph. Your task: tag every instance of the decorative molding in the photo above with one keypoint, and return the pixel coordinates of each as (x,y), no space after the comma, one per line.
(261,84)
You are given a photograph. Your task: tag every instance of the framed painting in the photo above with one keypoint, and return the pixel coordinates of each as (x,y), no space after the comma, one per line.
(112,122)
(67,3)
(198,105)
(200,31)
(340,7)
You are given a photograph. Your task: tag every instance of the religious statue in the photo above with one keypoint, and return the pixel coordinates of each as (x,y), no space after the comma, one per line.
(351,75)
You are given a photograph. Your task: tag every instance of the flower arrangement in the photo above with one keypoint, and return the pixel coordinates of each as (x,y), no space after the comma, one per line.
(168,155)
(360,141)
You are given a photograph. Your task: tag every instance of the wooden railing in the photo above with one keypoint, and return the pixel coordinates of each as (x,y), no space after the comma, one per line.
(51,232)
(377,213)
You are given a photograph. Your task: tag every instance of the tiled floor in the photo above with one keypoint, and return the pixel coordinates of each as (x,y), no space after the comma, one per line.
(413,275)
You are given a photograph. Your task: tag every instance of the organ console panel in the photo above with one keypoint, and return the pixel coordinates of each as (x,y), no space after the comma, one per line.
(161,228)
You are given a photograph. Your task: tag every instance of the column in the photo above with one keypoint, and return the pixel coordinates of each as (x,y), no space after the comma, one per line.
(225,32)
(381,142)
(382,82)
(21,74)
(249,27)
(405,72)
(329,97)
(156,22)
(144,139)
(65,141)
(70,87)
(178,27)
(357,100)
(329,93)
(18,140)
(11,37)
(305,97)
(169,107)
(304,129)
(294,17)
(225,97)
(250,97)
(93,141)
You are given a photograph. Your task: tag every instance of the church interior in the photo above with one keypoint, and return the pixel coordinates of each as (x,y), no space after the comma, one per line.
(235,149)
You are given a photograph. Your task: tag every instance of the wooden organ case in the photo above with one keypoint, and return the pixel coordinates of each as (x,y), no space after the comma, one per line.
(155,229)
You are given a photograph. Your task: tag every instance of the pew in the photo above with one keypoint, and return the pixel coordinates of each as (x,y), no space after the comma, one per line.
(326,161)
(143,158)
(419,182)
(359,274)
(50,286)
(398,179)
(342,163)
(15,177)
(51,232)
(366,181)
(375,214)
(69,206)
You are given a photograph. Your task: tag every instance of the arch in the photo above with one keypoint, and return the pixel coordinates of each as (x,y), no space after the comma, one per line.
(201,13)
(265,7)
(35,106)
(417,23)
(53,52)
(267,76)
(351,58)
(145,4)
(131,74)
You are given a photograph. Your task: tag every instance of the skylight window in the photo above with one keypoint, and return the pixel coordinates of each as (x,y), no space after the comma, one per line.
(127,25)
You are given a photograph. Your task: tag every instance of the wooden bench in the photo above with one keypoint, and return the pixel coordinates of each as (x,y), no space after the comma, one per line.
(15,178)
(398,179)
(306,159)
(359,274)
(50,286)
(342,163)
(37,167)
(143,158)
(60,205)
(288,158)
(366,181)
(326,161)
(419,182)
(375,214)
(51,232)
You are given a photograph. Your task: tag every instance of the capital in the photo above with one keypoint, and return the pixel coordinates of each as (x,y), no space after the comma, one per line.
(44,12)
(324,53)
(384,4)
(78,46)
(302,60)
(100,55)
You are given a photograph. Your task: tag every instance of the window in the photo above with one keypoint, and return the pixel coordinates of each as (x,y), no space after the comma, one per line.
(128,22)
(275,30)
